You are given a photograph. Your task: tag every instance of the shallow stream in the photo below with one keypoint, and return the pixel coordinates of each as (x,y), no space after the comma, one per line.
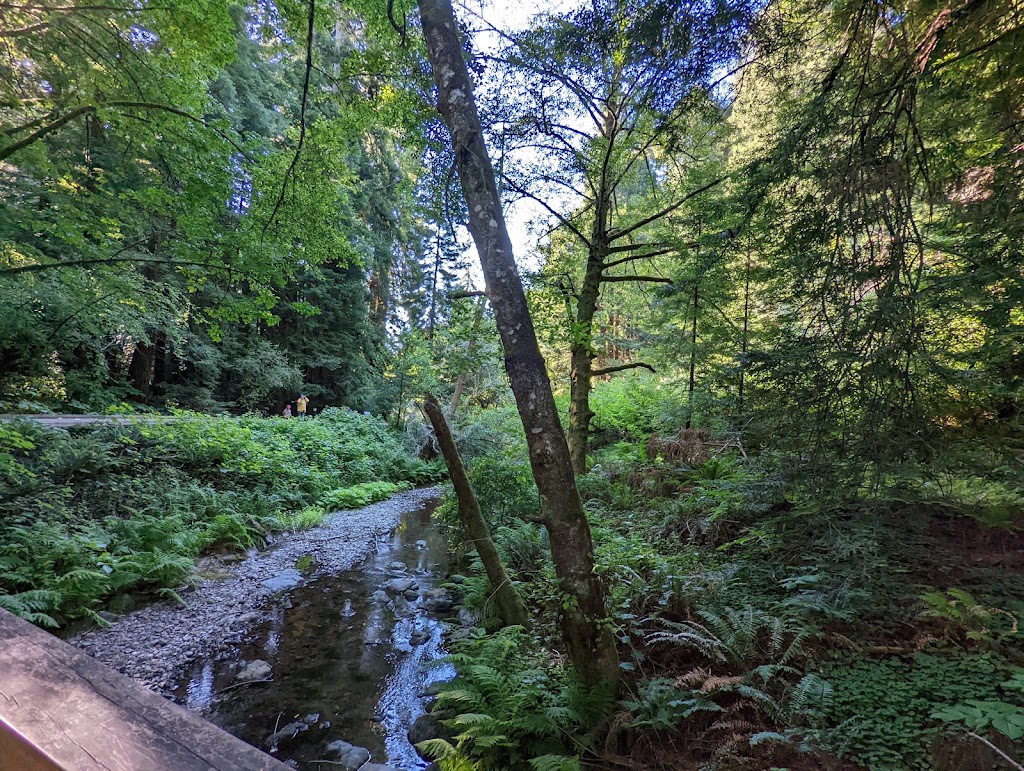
(351,656)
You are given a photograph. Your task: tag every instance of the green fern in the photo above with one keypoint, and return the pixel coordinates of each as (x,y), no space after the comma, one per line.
(31,606)
(507,701)
(555,763)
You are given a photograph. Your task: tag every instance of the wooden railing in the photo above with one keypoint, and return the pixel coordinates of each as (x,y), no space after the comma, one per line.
(61,709)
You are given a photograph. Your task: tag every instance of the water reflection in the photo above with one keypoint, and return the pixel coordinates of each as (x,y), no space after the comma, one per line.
(349,660)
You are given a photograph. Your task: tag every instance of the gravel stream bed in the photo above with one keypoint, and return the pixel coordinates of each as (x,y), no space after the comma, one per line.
(155,645)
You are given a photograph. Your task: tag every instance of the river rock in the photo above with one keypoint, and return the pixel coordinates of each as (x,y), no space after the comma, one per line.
(121,603)
(419,636)
(349,756)
(246,619)
(438,600)
(286,579)
(285,733)
(110,618)
(379,767)
(410,595)
(400,585)
(254,670)
(380,596)
(398,566)
(421,544)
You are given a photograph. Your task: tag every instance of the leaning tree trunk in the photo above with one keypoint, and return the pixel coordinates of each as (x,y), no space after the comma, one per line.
(511,608)
(588,638)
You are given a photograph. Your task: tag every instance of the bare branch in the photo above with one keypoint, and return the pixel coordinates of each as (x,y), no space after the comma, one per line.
(620,367)
(654,279)
(561,218)
(634,257)
(39,27)
(618,233)
(634,247)
(49,128)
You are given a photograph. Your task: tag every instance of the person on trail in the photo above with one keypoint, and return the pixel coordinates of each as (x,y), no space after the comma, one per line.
(287,410)
(300,405)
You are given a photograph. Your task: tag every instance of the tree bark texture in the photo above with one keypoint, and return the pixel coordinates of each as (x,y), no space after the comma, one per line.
(511,608)
(589,642)
(582,362)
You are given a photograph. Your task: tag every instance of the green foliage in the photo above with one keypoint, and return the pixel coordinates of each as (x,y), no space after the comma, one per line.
(88,516)
(889,712)
(510,707)
(979,716)
(304,519)
(977,622)
(747,638)
(660,704)
(359,495)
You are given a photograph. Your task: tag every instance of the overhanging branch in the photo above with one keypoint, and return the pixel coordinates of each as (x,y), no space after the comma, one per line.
(635,257)
(49,128)
(618,233)
(620,367)
(655,279)
(302,117)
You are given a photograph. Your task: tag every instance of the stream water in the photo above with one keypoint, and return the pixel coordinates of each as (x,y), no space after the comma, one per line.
(351,656)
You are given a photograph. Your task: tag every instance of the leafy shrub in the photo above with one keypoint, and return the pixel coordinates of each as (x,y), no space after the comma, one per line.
(357,496)
(125,508)
(307,518)
(889,712)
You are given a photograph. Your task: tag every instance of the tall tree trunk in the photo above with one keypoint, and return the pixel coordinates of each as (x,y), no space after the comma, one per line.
(582,363)
(142,369)
(511,608)
(746,334)
(693,354)
(589,642)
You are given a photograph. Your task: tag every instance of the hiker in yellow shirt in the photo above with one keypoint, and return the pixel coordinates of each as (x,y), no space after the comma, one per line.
(300,405)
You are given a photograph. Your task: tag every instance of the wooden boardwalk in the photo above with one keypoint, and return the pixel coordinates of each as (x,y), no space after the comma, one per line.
(61,709)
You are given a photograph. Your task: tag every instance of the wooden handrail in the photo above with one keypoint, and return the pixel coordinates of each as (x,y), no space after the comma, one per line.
(61,709)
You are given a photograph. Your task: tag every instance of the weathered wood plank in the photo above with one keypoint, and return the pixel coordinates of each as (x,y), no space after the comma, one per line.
(84,716)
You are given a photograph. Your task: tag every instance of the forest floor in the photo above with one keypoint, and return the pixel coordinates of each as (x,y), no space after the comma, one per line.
(156,644)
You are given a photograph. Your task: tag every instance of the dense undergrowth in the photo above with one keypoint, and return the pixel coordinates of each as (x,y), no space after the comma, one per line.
(92,519)
(759,626)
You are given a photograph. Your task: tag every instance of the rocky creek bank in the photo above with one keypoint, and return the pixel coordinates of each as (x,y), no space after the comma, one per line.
(229,639)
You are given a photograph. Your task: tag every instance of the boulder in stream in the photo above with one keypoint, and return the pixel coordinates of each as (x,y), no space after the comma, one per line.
(400,585)
(286,732)
(254,670)
(438,600)
(429,727)
(286,579)
(349,756)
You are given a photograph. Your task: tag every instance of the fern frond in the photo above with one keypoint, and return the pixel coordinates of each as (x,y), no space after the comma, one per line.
(719,683)
(555,763)
(436,749)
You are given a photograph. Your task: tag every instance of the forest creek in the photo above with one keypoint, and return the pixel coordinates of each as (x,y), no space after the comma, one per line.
(605,385)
